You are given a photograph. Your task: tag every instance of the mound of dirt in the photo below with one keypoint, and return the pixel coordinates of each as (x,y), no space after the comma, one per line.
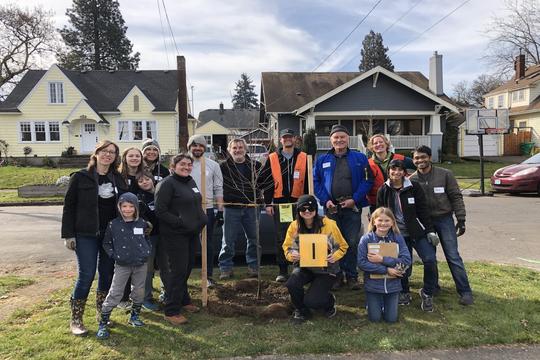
(240,298)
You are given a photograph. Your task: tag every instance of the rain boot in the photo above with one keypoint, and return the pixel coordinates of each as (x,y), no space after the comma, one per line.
(103,330)
(134,317)
(100,299)
(77,311)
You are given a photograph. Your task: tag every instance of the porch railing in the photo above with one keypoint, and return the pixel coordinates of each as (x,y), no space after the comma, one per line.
(398,142)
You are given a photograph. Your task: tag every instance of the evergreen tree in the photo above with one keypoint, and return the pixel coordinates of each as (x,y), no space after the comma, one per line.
(374,53)
(245,97)
(97,38)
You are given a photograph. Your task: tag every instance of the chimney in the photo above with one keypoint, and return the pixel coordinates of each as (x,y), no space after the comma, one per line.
(435,74)
(221,109)
(519,66)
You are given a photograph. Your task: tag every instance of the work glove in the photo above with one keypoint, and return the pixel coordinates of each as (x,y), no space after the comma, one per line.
(148,229)
(433,238)
(460,227)
(70,243)
(219,219)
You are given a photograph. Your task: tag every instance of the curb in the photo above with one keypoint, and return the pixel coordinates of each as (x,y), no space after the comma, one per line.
(36,203)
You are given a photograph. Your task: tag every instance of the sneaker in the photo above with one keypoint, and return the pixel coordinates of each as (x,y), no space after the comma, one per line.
(210,283)
(225,275)
(404,298)
(134,320)
(150,305)
(338,283)
(427,301)
(299,317)
(354,284)
(176,319)
(252,272)
(466,299)
(191,308)
(330,313)
(281,278)
(103,332)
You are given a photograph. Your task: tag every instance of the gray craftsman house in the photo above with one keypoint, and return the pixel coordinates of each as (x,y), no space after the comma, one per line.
(406,106)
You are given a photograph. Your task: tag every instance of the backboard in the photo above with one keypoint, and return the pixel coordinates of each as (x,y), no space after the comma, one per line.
(487,121)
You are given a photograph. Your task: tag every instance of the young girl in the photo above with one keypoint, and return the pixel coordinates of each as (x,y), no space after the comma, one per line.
(382,294)
(131,164)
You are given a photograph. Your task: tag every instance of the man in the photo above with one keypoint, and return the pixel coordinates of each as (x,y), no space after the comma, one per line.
(342,179)
(242,184)
(444,200)
(288,181)
(214,190)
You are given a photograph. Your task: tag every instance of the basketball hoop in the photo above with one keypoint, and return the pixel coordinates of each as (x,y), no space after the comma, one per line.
(495,131)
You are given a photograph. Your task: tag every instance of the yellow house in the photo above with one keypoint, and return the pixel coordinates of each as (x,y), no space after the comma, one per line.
(51,110)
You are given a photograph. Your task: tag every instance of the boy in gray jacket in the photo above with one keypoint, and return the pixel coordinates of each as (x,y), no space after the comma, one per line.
(126,243)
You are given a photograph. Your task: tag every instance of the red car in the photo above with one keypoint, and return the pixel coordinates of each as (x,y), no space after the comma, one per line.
(518,178)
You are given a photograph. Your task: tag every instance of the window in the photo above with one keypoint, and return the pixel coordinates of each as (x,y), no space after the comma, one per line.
(404,127)
(518,95)
(56,93)
(39,131)
(500,101)
(136,103)
(522,124)
(378,127)
(134,130)
(323,127)
(491,101)
(208,139)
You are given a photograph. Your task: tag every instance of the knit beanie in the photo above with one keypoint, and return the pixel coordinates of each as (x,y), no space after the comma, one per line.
(150,143)
(196,139)
(339,128)
(307,201)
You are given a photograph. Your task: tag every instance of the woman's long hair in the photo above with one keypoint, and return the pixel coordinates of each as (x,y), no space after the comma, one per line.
(123,169)
(382,211)
(100,146)
(316,226)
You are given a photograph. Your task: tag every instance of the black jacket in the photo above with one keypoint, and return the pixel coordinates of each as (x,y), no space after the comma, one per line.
(287,173)
(238,188)
(178,206)
(415,212)
(147,209)
(81,214)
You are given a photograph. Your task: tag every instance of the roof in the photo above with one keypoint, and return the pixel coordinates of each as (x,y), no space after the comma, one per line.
(534,106)
(231,118)
(304,87)
(532,76)
(105,90)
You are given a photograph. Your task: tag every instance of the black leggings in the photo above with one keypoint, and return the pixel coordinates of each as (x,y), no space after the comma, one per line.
(318,294)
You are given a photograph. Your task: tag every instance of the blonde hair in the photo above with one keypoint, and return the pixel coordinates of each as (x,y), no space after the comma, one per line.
(123,169)
(100,146)
(385,139)
(382,211)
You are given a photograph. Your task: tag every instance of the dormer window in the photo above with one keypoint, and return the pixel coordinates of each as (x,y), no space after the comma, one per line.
(56,93)
(136,103)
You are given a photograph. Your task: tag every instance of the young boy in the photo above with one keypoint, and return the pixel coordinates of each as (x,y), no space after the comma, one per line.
(126,243)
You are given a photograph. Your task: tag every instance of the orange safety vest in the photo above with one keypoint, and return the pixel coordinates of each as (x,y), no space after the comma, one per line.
(298,182)
(378,177)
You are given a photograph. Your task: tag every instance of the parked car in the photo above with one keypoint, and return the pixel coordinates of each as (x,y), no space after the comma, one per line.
(258,152)
(518,178)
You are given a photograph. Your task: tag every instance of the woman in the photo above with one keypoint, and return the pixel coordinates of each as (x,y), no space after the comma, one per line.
(181,219)
(89,205)
(318,294)
(381,156)
(408,202)
(130,166)
(152,160)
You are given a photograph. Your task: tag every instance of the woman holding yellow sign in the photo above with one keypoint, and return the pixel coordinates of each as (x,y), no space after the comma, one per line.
(314,244)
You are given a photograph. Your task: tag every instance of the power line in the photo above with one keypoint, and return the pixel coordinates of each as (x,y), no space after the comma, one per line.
(163,35)
(348,36)
(431,27)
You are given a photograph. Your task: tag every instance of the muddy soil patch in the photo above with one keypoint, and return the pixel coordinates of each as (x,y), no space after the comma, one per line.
(240,298)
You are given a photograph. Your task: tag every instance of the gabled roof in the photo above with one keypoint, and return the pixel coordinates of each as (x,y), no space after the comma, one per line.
(231,118)
(105,90)
(289,91)
(532,76)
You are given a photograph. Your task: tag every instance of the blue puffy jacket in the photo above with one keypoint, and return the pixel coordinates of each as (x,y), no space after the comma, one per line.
(362,178)
(387,285)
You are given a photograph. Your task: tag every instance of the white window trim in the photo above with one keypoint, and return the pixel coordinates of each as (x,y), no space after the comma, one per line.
(130,129)
(33,132)
(49,93)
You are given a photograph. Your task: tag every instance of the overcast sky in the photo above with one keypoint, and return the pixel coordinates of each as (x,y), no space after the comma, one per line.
(222,39)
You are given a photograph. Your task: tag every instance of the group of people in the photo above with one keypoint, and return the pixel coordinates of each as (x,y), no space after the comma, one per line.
(125,214)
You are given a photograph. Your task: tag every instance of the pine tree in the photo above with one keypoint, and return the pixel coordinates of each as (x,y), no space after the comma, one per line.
(97,38)
(245,97)
(374,53)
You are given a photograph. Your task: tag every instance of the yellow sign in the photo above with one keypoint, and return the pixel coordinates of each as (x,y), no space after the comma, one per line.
(313,250)
(285,213)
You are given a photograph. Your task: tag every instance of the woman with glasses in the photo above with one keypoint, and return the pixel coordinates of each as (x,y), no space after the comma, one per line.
(181,218)
(318,295)
(89,205)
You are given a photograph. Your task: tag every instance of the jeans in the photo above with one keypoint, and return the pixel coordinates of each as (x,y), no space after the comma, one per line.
(317,296)
(349,223)
(426,251)
(445,227)
(238,220)
(148,285)
(382,306)
(90,255)
(137,276)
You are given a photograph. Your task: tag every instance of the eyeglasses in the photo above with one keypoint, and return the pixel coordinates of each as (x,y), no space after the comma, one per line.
(107,152)
(306,209)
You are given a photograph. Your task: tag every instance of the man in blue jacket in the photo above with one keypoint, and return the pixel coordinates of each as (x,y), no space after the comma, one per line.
(342,178)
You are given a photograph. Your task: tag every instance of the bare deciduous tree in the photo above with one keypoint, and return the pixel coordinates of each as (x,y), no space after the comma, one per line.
(517,30)
(471,95)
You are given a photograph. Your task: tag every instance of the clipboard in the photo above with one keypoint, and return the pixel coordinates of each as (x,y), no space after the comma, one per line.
(313,249)
(384,249)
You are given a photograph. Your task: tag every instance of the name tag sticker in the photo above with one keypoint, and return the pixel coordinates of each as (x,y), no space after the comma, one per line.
(138,231)
(410,200)
(195,190)
(296,175)
(326,165)
(438,190)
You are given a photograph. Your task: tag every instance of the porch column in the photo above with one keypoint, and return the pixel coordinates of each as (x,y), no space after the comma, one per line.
(310,120)
(436,136)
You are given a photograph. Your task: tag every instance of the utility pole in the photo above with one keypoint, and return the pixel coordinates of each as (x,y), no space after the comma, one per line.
(183,134)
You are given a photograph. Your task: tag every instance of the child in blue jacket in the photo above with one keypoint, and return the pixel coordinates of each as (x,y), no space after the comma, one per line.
(382,294)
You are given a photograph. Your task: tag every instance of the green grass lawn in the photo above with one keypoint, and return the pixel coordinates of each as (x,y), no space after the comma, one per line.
(471,169)
(12,177)
(10,283)
(507,310)
(11,196)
